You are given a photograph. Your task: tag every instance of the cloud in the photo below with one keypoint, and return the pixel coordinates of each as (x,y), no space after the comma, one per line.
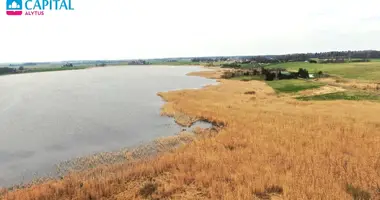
(171,28)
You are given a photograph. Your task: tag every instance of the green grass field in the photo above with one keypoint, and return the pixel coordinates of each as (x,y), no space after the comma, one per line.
(348,95)
(175,63)
(247,78)
(293,85)
(247,66)
(362,71)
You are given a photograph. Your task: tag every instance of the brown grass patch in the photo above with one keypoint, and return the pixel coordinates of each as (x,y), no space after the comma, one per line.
(270,147)
(148,189)
(322,90)
(216,73)
(352,83)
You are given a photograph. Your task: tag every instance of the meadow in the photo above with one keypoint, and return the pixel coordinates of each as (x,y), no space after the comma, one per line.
(247,78)
(362,80)
(350,95)
(361,71)
(184,63)
(266,147)
(293,85)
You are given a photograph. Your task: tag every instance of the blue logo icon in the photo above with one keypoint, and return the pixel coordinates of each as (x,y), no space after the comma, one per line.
(14,7)
(36,7)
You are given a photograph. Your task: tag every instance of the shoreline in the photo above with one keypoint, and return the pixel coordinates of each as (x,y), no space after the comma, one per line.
(134,153)
(267,147)
(58,69)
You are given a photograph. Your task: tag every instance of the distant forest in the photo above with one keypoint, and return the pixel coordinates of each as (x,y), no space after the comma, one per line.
(6,70)
(298,57)
(322,57)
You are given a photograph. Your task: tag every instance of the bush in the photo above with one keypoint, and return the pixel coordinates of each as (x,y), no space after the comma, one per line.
(303,73)
(357,193)
(148,189)
(269,76)
(231,65)
(320,74)
(68,65)
(360,60)
(6,70)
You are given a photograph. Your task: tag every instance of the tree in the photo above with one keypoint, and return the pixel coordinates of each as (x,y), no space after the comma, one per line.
(68,65)
(303,73)
(320,74)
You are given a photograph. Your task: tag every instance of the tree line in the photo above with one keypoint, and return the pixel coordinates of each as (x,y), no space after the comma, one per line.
(329,55)
(7,70)
(296,57)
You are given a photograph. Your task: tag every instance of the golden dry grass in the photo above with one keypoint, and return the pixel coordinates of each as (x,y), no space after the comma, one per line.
(327,89)
(214,74)
(269,147)
(352,83)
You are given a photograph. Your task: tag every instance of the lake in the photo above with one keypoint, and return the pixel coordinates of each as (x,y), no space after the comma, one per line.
(49,117)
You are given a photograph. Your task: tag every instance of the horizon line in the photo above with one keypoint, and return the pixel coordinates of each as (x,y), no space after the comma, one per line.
(178,57)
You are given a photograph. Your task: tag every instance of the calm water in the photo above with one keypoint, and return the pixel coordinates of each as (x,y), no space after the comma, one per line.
(49,117)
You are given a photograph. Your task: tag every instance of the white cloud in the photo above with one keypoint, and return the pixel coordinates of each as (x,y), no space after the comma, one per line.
(170,28)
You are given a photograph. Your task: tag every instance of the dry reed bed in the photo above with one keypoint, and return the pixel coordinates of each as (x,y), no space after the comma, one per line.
(269,147)
(352,83)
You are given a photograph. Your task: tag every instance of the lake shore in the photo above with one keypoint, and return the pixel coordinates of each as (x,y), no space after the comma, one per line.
(64,126)
(60,68)
(267,147)
(190,131)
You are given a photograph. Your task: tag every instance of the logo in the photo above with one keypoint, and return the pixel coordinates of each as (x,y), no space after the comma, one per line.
(14,7)
(36,7)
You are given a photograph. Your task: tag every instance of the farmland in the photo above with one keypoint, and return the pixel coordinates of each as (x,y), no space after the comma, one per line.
(361,71)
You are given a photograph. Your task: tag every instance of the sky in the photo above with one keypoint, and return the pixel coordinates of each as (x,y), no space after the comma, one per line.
(140,29)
